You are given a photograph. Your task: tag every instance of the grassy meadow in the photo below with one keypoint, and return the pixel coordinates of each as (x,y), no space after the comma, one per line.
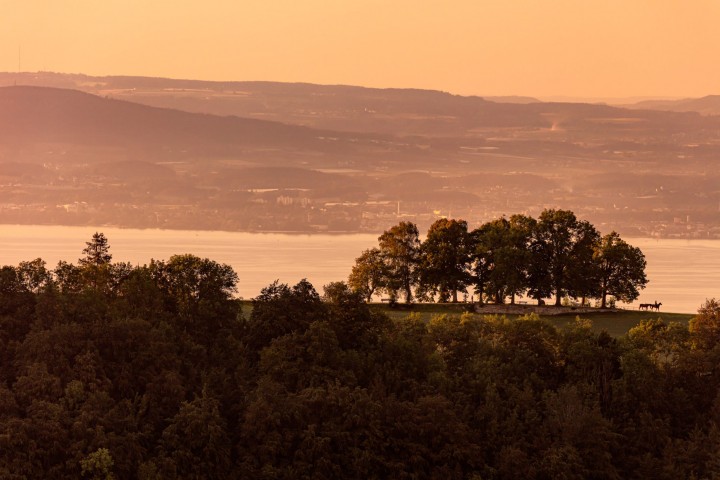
(616,323)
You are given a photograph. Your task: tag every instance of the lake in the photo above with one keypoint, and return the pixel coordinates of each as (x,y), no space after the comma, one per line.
(682,273)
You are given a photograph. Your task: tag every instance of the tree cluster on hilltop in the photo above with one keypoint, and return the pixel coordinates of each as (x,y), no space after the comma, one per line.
(556,254)
(154,372)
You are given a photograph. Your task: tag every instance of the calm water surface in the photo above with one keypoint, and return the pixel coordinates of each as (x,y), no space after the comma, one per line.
(682,273)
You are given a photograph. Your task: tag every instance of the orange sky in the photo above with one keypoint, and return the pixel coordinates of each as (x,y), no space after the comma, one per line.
(578,48)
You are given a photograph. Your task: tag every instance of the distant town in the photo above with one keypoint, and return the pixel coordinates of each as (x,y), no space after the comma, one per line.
(278,210)
(273,157)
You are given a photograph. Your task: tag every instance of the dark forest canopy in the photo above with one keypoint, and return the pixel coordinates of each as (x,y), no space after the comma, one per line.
(113,371)
(554,255)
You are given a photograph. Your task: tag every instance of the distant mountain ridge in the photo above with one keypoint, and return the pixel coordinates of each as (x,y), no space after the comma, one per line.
(344,108)
(47,114)
(53,114)
(708,105)
(155,90)
(266,156)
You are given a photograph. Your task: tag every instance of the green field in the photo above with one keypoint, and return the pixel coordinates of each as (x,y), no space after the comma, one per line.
(615,323)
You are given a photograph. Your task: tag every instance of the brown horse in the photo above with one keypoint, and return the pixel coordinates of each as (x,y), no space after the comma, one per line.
(646,306)
(656,306)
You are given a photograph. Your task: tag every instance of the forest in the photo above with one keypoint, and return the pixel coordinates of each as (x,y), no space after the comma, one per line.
(556,254)
(110,370)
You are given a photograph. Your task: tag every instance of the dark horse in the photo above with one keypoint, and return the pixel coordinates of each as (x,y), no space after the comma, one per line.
(650,306)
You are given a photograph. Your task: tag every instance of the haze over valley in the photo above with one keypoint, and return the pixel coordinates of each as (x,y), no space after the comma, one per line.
(268,156)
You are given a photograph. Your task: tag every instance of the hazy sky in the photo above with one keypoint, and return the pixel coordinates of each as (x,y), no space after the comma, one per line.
(580,48)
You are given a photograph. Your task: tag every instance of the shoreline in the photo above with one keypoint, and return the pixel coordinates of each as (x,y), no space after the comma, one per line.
(278,232)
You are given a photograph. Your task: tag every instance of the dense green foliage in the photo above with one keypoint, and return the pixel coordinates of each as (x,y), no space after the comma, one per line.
(113,371)
(555,255)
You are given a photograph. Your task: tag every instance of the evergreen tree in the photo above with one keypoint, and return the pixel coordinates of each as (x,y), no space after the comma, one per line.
(97,251)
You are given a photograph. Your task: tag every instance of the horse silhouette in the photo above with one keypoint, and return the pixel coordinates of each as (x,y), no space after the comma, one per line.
(650,306)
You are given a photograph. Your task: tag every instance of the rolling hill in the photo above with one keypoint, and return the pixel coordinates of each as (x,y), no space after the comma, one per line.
(404,112)
(708,105)
(312,157)
(42,114)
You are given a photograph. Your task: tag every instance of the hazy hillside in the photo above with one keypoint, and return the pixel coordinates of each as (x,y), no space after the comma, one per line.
(70,157)
(708,105)
(38,114)
(359,109)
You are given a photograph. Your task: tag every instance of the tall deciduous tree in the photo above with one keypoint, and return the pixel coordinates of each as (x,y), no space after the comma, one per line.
(280,310)
(481,259)
(583,273)
(13,294)
(562,243)
(621,269)
(354,323)
(33,274)
(487,240)
(515,257)
(705,327)
(445,255)
(400,248)
(68,277)
(502,257)
(98,465)
(368,274)
(200,291)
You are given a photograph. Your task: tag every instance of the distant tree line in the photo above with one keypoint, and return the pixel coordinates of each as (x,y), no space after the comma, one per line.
(554,255)
(109,370)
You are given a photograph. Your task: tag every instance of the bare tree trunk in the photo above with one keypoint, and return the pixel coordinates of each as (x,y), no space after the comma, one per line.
(408,293)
